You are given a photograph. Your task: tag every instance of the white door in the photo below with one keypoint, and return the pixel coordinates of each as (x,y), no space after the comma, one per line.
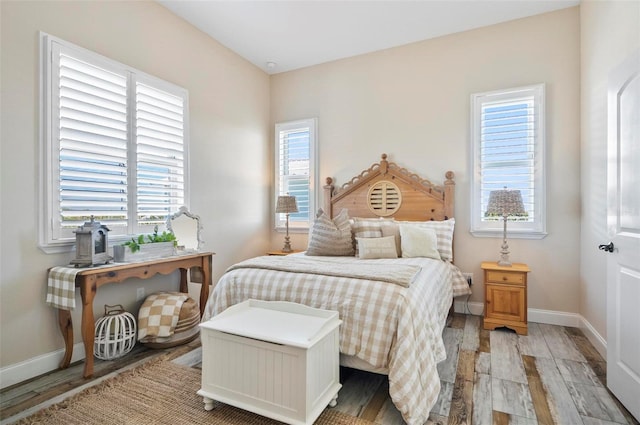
(623,222)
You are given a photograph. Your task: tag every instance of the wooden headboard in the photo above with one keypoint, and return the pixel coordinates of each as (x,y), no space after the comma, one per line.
(387,190)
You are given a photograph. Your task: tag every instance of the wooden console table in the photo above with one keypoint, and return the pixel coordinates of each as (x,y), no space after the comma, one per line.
(91,279)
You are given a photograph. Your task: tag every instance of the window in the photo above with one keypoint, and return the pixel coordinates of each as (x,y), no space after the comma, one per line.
(114,145)
(508,138)
(295,167)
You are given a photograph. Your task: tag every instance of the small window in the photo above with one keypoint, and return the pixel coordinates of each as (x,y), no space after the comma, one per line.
(295,167)
(114,145)
(508,139)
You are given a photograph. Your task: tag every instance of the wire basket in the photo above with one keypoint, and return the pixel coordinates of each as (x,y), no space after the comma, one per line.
(115,333)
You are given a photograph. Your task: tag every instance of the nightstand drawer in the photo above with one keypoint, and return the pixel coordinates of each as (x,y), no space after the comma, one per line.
(505,277)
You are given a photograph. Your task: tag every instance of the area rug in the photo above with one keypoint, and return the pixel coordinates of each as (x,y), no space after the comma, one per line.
(160,392)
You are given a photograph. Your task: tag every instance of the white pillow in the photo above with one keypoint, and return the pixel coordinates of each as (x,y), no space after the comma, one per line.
(444,234)
(418,242)
(370,248)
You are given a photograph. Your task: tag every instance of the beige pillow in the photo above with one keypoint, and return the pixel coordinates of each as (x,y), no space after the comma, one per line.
(377,247)
(331,237)
(393,230)
(418,242)
(444,234)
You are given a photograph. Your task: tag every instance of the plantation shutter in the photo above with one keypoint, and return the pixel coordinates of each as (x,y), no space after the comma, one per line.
(508,143)
(507,149)
(92,135)
(160,154)
(114,145)
(294,158)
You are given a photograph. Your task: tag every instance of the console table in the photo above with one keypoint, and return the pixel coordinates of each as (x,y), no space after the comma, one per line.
(90,279)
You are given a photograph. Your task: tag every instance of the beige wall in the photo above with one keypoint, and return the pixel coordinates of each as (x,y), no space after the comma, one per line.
(412,102)
(610,32)
(229,130)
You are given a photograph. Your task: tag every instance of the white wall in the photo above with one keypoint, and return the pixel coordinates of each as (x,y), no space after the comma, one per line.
(610,32)
(230,132)
(412,102)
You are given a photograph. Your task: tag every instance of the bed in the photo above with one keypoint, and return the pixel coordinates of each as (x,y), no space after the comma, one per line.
(393,309)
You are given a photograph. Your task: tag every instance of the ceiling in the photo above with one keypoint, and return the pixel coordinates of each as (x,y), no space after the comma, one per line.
(281,35)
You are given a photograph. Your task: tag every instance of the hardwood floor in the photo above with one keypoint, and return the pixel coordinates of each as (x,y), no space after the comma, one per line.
(551,376)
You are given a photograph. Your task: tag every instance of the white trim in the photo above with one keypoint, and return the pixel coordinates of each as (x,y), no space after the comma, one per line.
(36,366)
(51,238)
(517,230)
(314,192)
(598,342)
(549,317)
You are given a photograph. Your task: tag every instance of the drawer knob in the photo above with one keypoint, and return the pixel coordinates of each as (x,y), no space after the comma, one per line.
(504,278)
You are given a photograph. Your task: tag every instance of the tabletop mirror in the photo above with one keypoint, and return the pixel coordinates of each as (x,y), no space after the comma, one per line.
(187,229)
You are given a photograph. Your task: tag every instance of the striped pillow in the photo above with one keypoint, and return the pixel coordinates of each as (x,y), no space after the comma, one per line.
(331,237)
(444,233)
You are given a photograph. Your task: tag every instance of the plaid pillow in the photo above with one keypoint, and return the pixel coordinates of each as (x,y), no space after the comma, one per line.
(367,228)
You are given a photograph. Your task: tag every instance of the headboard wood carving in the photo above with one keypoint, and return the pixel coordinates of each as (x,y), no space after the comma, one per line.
(420,199)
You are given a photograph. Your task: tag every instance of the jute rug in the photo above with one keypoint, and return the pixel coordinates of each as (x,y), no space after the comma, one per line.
(160,392)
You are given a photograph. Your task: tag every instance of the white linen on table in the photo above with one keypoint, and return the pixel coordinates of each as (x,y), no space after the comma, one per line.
(385,325)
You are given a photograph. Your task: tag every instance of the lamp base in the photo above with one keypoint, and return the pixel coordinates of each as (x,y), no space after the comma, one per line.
(287,245)
(504,263)
(504,252)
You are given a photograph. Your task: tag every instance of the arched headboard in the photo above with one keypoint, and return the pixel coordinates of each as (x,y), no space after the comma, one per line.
(387,190)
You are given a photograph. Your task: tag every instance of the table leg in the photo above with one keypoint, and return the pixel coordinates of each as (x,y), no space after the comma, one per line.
(88,292)
(206,281)
(66,328)
(184,286)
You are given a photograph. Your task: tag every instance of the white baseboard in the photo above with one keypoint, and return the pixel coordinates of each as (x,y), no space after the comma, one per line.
(36,366)
(598,342)
(549,317)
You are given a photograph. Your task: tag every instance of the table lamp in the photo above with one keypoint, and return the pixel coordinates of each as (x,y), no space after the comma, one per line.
(505,203)
(287,205)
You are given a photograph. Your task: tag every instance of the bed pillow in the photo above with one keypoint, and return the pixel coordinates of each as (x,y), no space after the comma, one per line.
(393,230)
(418,242)
(331,237)
(384,247)
(364,228)
(444,235)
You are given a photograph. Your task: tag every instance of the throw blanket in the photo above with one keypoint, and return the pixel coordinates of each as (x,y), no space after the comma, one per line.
(399,274)
(159,314)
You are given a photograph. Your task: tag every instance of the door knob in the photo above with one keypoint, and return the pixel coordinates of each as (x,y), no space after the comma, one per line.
(607,248)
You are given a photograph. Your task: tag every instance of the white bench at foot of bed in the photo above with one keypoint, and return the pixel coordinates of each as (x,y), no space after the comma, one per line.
(276,359)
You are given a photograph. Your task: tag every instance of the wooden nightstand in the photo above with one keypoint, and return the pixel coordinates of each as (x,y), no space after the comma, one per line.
(282,253)
(505,296)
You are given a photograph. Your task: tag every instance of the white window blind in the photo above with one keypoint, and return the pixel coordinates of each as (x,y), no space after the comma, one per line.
(114,143)
(295,168)
(508,146)
(160,154)
(92,125)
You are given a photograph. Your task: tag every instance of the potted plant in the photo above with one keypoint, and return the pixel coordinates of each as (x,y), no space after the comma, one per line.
(155,245)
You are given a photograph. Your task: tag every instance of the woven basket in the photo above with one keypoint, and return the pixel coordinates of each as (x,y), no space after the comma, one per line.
(115,333)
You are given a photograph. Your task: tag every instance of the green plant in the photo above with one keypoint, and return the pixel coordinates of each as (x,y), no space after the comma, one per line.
(134,243)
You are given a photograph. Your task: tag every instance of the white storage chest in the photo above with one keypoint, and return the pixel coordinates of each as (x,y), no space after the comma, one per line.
(276,359)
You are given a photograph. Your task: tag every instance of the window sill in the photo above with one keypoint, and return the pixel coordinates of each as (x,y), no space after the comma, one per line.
(511,234)
(292,229)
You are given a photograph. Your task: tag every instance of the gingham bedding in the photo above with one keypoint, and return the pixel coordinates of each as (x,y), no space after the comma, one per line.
(385,325)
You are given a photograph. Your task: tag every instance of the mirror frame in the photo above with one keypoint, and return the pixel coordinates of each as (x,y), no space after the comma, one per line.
(184,211)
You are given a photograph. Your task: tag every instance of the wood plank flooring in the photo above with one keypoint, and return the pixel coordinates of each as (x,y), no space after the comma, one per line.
(551,376)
